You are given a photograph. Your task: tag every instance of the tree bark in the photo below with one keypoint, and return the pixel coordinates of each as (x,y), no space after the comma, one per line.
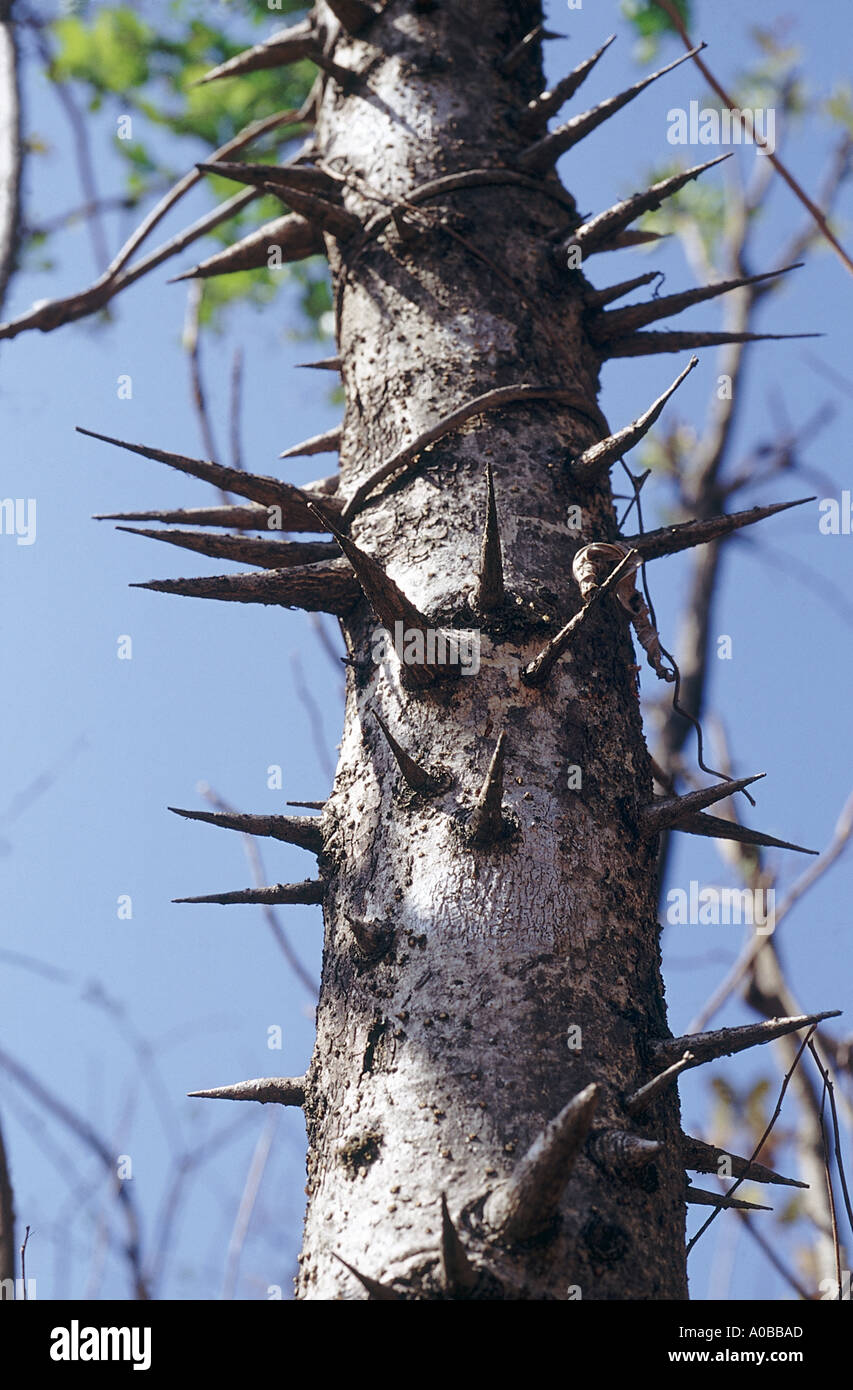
(510,974)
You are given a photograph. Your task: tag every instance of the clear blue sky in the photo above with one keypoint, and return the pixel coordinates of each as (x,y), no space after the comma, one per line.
(211,694)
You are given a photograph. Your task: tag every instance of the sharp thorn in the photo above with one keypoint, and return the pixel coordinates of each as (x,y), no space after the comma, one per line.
(517,55)
(716,828)
(289,238)
(707,1158)
(308,805)
(640,1100)
(600,230)
(326,214)
(271,492)
(665,811)
(487,823)
(617,1149)
(669,540)
(540,110)
(490,589)
(291,506)
(327,443)
(326,364)
(293,830)
(595,461)
(302,178)
(538,670)
(723,1042)
(697,1197)
(283,47)
(633,237)
(596,299)
(528,1201)
(249,550)
(324,588)
(458,1275)
(311,891)
(645,344)
(417,778)
(376,1292)
(545,152)
(391,606)
(267,1090)
(605,328)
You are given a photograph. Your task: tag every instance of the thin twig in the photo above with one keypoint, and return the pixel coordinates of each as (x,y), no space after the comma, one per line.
(236,408)
(795,188)
(764,1244)
(24,1243)
(191,335)
(252,1186)
(830,1090)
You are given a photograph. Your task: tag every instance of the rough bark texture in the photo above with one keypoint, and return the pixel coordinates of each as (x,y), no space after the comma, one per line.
(441,1061)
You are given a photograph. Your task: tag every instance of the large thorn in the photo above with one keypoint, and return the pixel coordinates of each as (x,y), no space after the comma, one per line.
(391,606)
(324,213)
(271,492)
(707,1158)
(311,891)
(604,328)
(283,47)
(289,514)
(640,1100)
(595,461)
(698,1197)
(600,230)
(417,778)
(517,55)
(247,550)
(665,811)
(289,238)
(616,1148)
(716,828)
(545,153)
(458,1275)
(376,1292)
(547,104)
(633,237)
(487,824)
(301,178)
(490,589)
(528,1202)
(596,299)
(308,805)
(268,1090)
(353,15)
(293,830)
(669,540)
(539,669)
(327,588)
(327,443)
(723,1042)
(325,364)
(645,344)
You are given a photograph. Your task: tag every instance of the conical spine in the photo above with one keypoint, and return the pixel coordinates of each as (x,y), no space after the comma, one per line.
(326,588)
(595,461)
(303,831)
(723,1042)
(288,238)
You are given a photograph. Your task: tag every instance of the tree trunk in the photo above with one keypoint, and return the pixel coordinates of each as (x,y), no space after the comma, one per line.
(477,980)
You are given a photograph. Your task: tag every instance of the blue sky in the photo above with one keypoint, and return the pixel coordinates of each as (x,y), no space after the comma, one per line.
(211,694)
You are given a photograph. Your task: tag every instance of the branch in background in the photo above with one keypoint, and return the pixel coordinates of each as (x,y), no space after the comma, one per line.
(675,18)
(195,295)
(55,312)
(236,409)
(88,1137)
(10,146)
(7,1217)
(82,150)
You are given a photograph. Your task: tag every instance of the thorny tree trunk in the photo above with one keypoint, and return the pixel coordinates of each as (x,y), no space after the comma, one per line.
(520,972)
(487,1112)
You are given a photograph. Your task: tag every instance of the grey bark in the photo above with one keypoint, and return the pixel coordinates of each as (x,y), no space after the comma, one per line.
(438,1065)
